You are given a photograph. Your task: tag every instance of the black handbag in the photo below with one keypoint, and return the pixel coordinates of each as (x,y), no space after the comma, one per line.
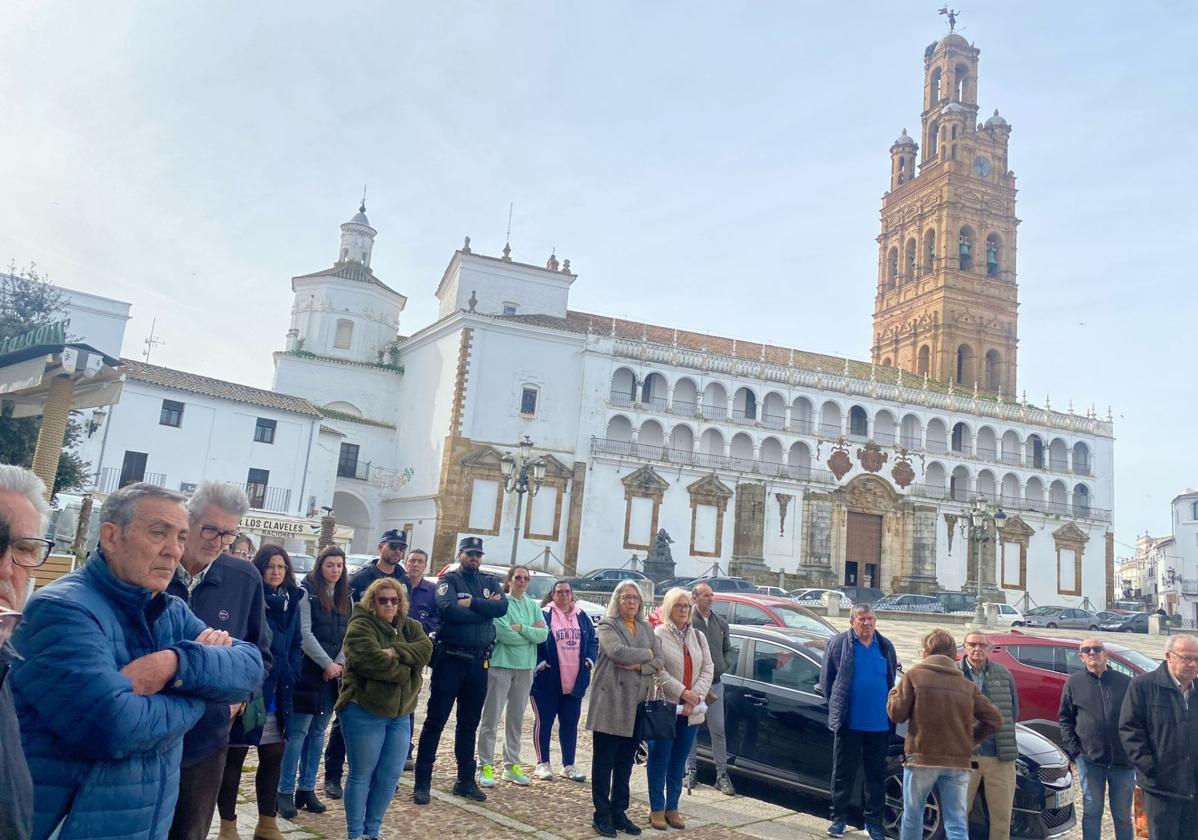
(656,718)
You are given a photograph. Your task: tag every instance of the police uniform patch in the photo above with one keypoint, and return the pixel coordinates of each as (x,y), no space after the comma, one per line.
(486,592)
(442,588)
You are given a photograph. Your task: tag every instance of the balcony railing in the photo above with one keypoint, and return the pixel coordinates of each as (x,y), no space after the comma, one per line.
(832,430)
(621,399)
(740,415)
(1012,459)
(987,454)
(706,460)
(936,447)
(714,412)
(884,438)
(774,421)
(908,442)
(802,426)
(359,470)
(109,480)
(1058,465)
(265,497)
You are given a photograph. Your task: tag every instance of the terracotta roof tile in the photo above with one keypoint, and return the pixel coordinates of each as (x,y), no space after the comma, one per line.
(219,388)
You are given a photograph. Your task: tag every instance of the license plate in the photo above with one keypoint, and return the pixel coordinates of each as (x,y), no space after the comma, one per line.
(1060,799)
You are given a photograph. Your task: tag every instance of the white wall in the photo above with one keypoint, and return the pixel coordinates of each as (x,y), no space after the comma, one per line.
(321,301)
(95,320)
(493,283)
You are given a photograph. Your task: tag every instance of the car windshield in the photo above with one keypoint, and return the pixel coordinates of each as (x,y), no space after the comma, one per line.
(1144,663)
(540,585)
(1043,611)
(800,620)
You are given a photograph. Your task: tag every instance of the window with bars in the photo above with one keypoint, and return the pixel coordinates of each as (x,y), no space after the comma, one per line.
(528,400)
(171,414)
(264,430)
(255,487)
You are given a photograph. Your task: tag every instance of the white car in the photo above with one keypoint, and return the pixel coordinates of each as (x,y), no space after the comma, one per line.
(815,597)
(776,591)
(1008,616)
(357,562)
(538,587)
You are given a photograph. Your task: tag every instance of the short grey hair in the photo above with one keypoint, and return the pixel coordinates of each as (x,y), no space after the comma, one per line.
(1177,638)
(228,497)
(859,610)
(25,483)
(613,603)
(120,508)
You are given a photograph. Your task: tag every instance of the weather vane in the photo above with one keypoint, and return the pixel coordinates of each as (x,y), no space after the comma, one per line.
(952,16)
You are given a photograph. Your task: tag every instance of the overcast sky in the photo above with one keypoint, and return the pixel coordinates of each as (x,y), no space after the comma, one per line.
(713,166)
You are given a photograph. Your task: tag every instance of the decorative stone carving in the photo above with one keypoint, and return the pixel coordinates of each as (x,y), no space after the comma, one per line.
(902,472)
(783,504)
(951,520)
(869,494)
(709,490)
(1016,533)
(871,457)
(659,562)
(839,461)
(644,482)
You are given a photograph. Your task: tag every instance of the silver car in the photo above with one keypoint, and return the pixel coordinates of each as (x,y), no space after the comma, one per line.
(1069,618)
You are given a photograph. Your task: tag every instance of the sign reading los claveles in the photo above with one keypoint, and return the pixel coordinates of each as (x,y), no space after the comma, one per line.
(280,526)
(53,333)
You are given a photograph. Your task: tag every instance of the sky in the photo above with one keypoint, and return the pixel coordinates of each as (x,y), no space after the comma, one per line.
(710,166)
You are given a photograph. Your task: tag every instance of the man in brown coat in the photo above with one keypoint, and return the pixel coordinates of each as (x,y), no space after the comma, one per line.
(946,716)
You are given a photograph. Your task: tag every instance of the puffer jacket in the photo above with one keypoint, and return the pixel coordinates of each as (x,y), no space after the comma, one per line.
(282,616)
(947,715)
(669,678)
(101,756)
(383,684)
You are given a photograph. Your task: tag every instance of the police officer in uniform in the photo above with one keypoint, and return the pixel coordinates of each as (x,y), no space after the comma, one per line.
(467,601)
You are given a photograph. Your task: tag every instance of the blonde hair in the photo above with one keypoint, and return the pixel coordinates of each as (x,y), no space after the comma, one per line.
(671,600)
(372,592)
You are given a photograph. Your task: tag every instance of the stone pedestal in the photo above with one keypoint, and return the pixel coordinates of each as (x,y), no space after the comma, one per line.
(752,568)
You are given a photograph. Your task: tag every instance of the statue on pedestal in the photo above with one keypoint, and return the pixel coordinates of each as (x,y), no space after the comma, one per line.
(659,564)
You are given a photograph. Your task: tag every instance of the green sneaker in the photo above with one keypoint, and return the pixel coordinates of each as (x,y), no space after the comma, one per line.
(516,774)
(486,776)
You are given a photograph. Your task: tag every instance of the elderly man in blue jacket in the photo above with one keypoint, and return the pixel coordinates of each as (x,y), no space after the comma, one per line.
(856,678)
(114,671)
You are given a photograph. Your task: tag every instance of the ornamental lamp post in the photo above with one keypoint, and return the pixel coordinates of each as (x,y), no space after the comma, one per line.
(520,477)
(979,514)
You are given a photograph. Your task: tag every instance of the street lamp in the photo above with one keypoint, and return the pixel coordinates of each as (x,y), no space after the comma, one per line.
(520,477)
(979,515)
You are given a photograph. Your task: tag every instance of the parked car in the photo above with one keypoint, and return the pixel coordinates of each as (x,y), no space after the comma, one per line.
(776,591)
(539,585)
(1106,616)
(958,602)
(301,564)
(862,594)
(776,724)
(1069,618)
(815,597)
(1008,616)
(664,586)
(763,611)
(1040,666)
(356,562)
(605,580)
(1134,623)
(909,603)
(720,583)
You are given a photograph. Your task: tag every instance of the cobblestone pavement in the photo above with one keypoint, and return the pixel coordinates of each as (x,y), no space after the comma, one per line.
(562,809)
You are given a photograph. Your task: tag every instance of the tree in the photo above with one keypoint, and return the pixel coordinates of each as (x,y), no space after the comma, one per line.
(27,300)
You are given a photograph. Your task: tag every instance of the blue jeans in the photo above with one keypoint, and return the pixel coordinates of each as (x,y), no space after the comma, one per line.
(305,738)
(376,747)
(1094,778)
(953,786)
(667,766)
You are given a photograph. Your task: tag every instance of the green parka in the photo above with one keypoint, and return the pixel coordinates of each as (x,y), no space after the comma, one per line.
(376,681)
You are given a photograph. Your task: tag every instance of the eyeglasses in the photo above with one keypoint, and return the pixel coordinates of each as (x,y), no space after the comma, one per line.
(519,577)
(30,552)
(210,533)
(563,592)
(682,606)
(1091,649)
(397,546)
(1190,661)
(384,600)
(636,598)
(987,644)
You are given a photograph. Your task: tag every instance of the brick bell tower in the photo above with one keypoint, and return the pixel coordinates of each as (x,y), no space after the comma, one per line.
(947,298)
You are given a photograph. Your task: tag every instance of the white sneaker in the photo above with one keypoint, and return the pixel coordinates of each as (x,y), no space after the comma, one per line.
(573,775)
(543,772)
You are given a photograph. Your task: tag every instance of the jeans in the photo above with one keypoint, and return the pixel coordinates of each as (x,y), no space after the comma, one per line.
(198,787)
(850,749)
(566,708)
(1094,778)
(376,747)
(611,768)
(953,787)
(1168,816)
(714,721)
(667,766)
(305,739)
(507,694)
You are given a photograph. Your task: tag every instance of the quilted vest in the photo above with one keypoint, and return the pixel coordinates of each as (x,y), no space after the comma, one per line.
(998,691)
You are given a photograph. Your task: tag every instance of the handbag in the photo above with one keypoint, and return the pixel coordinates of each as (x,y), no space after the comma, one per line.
(655,718)
(253,715)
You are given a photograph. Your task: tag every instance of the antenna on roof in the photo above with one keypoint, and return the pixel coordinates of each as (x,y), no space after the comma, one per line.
(507,245)
(152,341)
(362,209)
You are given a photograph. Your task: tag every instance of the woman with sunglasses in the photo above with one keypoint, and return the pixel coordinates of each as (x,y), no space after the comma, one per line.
(324,617)
(564,663)
(282,596)
(385,652)
(509,678)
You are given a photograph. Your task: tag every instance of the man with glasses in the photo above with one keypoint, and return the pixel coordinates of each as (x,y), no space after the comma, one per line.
(1158,725)
(113,673)
(468,601)
(23,513)
(1089,718)
(226,594)
(719,642)
(994,759)
(392,545)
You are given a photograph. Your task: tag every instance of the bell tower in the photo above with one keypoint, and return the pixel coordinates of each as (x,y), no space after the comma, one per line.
(947,296)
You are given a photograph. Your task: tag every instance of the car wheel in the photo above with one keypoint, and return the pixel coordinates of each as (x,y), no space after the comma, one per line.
(1052,625)
(892,812)
(1093,627)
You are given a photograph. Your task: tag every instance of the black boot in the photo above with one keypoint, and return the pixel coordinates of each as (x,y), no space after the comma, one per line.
(286,806)
(332,788)
(469,789)
(423,782)
(307,800)
(620,822)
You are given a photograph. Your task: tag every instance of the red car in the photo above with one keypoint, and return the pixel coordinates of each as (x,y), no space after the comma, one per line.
(763,611)
(1040,667)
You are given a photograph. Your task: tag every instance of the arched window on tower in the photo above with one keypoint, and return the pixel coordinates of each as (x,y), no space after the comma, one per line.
(929,251)
(858,423)
(993,371)
(936,79)
(344,338)
(961,75)
(965,374)
(965,248)
(909,258)
(902,170)
(993,245)
(933,141)
(922,367)
(891,268)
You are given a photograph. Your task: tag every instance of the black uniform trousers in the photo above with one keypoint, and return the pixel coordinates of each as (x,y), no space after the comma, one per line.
(334,753)
(1170,817)
(612,757)
(455,680)
(850,750)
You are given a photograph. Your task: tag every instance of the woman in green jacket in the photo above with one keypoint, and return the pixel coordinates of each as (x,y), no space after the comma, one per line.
(385,652)
(509,678)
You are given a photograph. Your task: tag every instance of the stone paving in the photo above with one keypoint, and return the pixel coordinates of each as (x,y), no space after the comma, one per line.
(562,809)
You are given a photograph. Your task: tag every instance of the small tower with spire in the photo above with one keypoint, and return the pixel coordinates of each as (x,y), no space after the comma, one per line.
(357,237)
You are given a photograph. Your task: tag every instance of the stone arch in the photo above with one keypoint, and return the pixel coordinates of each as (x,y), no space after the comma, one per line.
(682,442)
(962,438)
(933,479)
(1081,459)
(798,460)
(712,443)
(858,423)
(986,486)
(651,434)
(1058,497)
(987,443)
(923,365)
(1010,491)
(884,428)
(619,428)
(1034,451)
(715,401)
(744,404)
(1033,494)
(1011,447)
(352,511)
(686,397)
(911,432)
(937,436)
(802,416)
(966,369)
(1081,499)
(654,390)
(623,386)
(929,251)
(773,411)
(740,450)
(1058,455)
(772,456)
(830,422)
(959,488)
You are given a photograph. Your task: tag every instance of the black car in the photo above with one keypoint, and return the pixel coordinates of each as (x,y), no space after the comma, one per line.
(662,587)
(605,580)
(1134,623)
(777,727)
(862,594)
(909,603)
(719,583)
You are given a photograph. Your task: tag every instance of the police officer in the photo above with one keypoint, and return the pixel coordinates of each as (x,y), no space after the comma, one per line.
(467,601)
(392,546)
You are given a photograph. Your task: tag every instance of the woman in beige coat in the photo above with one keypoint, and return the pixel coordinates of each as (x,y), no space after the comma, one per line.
(685,678)
(629,657)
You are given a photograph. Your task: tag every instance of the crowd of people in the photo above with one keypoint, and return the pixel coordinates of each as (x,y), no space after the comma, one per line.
(133,689)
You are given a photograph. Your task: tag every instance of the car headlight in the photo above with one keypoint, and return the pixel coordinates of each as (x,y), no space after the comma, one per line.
(1021,769)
